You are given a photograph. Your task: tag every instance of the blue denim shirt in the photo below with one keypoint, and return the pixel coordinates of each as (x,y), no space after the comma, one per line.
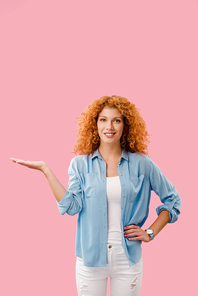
(86,196)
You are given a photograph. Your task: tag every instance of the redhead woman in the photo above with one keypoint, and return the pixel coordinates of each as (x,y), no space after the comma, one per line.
(110,183)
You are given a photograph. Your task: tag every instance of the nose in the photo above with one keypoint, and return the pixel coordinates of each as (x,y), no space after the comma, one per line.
(109,125)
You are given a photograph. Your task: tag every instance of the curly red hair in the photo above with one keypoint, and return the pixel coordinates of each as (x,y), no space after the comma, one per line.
(134,137)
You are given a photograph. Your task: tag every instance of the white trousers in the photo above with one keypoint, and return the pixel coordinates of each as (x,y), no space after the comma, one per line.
(124,280)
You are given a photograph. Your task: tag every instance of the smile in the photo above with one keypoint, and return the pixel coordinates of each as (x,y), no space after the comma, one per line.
(109,135)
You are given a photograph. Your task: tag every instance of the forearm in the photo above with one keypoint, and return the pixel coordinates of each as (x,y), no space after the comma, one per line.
(160,222)
(56,187)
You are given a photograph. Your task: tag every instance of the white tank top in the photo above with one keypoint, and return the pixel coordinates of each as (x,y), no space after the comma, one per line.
(114,210)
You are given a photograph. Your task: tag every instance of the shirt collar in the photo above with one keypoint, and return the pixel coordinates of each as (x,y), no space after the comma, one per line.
(96,153)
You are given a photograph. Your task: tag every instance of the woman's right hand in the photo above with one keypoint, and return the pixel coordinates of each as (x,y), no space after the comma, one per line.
(37,165)
(57,188)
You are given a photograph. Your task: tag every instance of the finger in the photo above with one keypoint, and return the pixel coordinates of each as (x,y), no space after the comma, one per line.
(131,227)
(138,237)
(133,233)
(13,159)
(20,161)
(141,237)
(132,230)
(135,238)
(16,159)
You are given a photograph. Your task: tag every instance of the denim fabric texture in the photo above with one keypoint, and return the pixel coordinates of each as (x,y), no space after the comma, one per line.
(86,196)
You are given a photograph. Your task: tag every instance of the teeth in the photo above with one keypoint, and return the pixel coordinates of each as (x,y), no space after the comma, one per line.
(109,134)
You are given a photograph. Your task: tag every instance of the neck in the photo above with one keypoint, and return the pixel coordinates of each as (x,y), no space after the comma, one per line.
(110,152)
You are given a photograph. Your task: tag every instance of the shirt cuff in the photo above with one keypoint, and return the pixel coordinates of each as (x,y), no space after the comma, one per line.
(172,213)
(63,204)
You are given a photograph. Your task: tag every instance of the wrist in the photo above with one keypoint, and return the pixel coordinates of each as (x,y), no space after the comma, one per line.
(44,168)
(150,233)
(149,238)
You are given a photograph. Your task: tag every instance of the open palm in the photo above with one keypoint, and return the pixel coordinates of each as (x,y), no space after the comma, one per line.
(37,165)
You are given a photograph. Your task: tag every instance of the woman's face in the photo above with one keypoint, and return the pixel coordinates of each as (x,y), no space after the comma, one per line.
(110,125)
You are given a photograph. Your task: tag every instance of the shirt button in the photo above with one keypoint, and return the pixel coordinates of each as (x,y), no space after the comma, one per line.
(110,246)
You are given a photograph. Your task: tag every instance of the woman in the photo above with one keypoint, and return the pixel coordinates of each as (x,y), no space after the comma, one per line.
(110,184)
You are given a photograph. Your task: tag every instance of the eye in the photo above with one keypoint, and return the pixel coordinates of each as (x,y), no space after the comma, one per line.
(117,120)
(102,119)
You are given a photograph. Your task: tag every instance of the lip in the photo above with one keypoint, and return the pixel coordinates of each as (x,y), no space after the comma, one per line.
(110,135)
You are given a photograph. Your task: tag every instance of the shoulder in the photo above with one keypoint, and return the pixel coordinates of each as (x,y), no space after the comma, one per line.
(78,159)
(139,162)
(139,158)
(80,162)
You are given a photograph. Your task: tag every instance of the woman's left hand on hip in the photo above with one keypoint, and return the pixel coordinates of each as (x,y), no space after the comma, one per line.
(137,233)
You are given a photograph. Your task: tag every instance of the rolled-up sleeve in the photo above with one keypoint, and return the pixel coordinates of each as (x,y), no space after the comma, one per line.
(166,191)
(71,203)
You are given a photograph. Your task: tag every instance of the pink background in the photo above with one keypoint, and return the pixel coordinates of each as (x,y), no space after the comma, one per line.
(56,57)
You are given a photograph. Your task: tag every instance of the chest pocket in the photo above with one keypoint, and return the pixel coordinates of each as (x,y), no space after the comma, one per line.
(90,185)
(135,185)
